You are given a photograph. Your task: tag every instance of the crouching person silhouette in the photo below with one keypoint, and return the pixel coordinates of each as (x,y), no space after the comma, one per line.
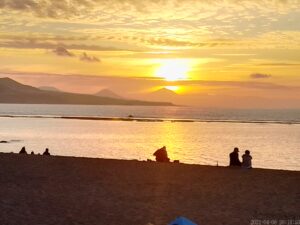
(161,155)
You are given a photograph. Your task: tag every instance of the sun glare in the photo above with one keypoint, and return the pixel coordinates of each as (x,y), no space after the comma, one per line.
(173,69)
(172,88)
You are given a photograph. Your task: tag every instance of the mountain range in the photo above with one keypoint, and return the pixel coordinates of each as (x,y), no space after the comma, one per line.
(12,91)
(49,88)
(108,93)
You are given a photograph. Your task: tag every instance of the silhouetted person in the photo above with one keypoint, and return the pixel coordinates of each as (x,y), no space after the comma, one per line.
(32,153)
(234,158)
(247,160)
(46,152)
(161,155)
(23,151)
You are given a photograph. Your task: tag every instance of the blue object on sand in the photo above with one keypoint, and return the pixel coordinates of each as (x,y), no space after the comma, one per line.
(182,221)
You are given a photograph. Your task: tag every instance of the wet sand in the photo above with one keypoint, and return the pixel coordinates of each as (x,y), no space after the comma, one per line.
(65,190)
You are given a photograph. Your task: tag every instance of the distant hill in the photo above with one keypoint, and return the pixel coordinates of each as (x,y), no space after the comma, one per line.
(49,88)
(108,93)
(162,94)
(14,92)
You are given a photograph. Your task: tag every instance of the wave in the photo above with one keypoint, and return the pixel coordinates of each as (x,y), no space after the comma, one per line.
(141,119)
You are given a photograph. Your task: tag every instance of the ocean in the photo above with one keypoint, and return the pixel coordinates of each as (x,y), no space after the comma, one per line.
(191,135)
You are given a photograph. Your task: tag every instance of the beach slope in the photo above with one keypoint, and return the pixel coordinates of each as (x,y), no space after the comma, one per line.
(65,190)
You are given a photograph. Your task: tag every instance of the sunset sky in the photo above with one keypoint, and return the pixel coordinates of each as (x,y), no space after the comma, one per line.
(212,52)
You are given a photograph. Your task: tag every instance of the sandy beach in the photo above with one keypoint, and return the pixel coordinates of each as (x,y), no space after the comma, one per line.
(65,190)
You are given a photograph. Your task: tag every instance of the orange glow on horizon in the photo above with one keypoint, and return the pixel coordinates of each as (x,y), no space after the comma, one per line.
(173,88)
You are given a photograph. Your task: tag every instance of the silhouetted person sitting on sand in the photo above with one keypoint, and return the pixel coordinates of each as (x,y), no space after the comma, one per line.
(234,158)
(23,151)
(46,152)
(247,160)
(161,155)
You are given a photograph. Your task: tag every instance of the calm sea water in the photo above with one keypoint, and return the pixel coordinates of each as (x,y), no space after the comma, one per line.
(272,136)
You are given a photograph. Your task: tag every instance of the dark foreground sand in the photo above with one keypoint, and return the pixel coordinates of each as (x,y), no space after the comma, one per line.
(61,190)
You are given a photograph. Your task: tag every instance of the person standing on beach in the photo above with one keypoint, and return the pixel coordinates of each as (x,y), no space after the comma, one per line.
(46,152)
(247,160)
(234,158)
(23,150)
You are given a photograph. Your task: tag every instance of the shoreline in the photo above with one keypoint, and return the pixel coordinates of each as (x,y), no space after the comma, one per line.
(66,157)
(4,142)
(38,189)
(146,119)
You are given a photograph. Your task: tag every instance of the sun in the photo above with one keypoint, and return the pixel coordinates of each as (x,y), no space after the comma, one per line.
(173,88)
(173,69)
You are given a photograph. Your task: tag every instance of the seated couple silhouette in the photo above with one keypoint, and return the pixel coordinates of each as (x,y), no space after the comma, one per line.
(246,159)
